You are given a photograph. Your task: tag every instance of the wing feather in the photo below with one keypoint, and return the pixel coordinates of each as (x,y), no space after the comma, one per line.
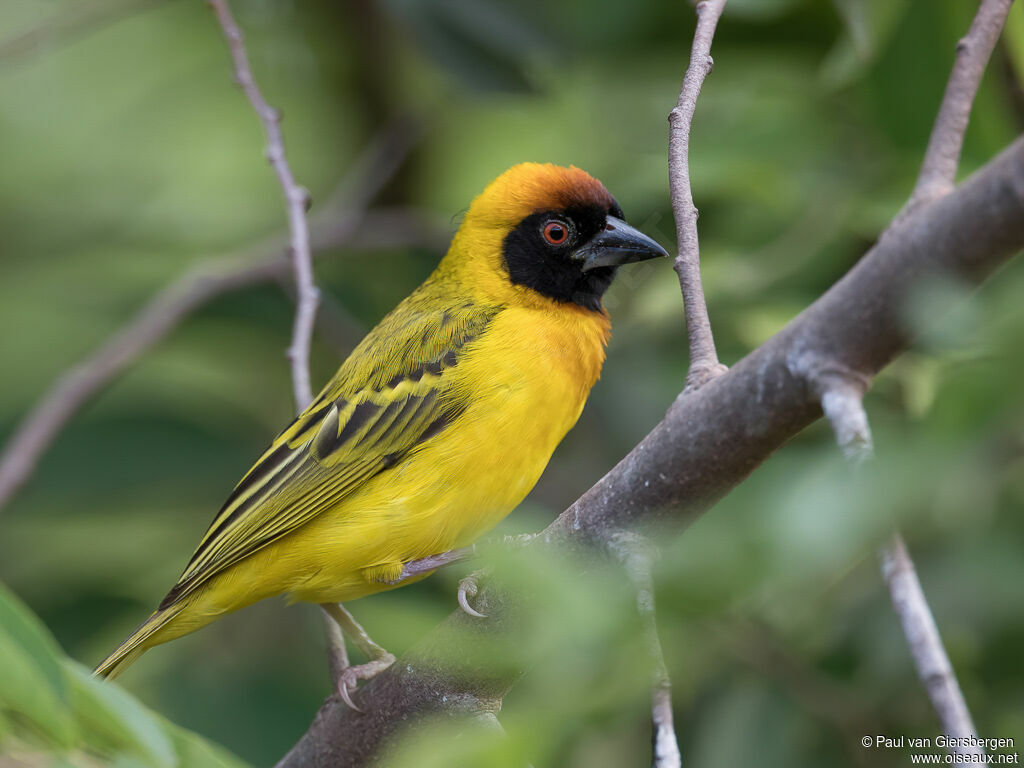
(390,396)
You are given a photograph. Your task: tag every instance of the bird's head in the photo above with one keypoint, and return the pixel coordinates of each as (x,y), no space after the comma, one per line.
(542,229)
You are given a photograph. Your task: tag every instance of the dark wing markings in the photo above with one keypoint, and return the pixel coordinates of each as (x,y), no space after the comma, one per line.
(306,447)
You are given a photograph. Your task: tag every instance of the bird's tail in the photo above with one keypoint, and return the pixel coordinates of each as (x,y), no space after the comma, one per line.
(137,643)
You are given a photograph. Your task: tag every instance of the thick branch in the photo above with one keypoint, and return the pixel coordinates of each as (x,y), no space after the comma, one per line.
(942,158)
(704,363)
(296,199)
(709,441)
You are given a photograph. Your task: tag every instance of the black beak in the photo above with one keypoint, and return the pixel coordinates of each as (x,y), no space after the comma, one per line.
(618,243)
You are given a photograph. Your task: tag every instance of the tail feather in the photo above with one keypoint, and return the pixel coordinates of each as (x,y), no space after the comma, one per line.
(136,644)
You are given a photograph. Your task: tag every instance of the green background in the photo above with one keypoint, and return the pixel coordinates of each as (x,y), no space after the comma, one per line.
(128,156)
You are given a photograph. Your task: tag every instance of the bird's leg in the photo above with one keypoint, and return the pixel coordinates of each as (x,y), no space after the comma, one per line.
(337,653)
(432,563)
(469,586)
(380,659)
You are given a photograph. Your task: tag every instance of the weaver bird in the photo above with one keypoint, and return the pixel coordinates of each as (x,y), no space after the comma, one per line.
(437,425)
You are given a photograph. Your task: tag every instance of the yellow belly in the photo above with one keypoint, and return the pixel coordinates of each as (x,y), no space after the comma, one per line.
(528,379)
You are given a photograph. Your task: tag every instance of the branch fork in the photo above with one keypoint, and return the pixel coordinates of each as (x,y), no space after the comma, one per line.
(942,157)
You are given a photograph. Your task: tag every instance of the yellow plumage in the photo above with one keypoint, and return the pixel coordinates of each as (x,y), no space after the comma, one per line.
(436,426)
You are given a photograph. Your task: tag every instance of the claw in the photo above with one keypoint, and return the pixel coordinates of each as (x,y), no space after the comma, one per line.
(350,676)
(346,696)
(468,588)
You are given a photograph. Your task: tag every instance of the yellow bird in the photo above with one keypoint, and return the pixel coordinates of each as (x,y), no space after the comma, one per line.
(438,424)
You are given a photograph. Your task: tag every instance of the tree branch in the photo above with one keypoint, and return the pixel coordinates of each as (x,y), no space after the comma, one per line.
(709,441)
(704,363)
(842,403)
(70,24)
(841,390)
(296,200)
(942,158)
(926,648)
(344,221)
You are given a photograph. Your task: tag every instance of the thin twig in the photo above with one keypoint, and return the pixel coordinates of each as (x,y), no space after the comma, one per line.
(942,158)
(338,327)
(843,406)
(296,200)
(342,222)
(637,556)
(841,391)
(307,294)
(80,383)
(70,24)
(704,363)
(929,654)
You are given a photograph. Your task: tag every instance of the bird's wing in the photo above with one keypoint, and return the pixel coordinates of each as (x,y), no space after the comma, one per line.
(390,396)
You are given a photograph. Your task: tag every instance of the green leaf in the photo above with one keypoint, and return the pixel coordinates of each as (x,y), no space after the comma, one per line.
(196,752)
(32,684)
(112,721)
(53,708)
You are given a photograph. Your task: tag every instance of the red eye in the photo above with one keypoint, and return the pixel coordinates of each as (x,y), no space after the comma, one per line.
(556,232)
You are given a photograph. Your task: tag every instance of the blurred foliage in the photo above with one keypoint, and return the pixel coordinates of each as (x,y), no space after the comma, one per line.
(50,704)
(129,156)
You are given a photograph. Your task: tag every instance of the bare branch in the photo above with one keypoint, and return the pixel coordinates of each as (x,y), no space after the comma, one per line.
(709,441)
(70,24)
(704,363)
(307,296)
(344,221)
(942,158)
(296,199)
(841,389)
(926,648)
(842,404)
(79,384)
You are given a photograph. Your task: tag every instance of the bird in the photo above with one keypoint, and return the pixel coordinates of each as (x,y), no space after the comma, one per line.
(436,426)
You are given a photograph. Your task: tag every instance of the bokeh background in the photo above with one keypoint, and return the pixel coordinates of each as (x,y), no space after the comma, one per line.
(128,157)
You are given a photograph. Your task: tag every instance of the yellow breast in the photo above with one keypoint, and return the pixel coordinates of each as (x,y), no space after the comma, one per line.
(527,380)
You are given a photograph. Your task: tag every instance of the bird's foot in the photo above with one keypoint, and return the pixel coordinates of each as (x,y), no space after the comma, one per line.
(350,676)
(468,587)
